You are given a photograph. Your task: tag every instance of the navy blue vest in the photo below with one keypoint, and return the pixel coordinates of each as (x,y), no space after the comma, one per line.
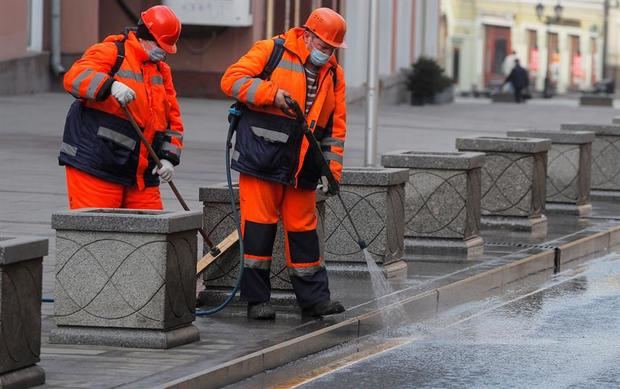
(104,145)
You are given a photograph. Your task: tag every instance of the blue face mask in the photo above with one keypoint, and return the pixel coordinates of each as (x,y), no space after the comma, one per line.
(318,58)
(157,54)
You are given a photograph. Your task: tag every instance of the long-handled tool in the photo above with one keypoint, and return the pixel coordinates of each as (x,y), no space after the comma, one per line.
(214,251)
(327,178)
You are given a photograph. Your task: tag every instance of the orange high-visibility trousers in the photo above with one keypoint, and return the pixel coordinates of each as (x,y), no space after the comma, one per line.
(263,203)
(87,191)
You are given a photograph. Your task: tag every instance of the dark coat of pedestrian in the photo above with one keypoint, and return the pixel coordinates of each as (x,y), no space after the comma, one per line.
(519,79)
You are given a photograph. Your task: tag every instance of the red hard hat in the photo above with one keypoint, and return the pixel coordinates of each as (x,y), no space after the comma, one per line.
(164,25)
(328,25)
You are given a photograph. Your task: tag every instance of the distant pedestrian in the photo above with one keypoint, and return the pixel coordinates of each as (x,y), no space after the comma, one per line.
(519,79)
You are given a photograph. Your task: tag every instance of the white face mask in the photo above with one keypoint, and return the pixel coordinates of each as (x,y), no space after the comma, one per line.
(155,52)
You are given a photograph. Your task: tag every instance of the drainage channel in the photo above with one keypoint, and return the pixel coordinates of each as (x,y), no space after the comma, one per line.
(526,246)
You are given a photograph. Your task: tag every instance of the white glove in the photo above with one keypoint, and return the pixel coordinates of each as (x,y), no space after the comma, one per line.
(324,185)
(166,171)
(122,93)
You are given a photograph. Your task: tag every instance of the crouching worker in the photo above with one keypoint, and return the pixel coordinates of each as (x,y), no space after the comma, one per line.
(106,164)
(278,177)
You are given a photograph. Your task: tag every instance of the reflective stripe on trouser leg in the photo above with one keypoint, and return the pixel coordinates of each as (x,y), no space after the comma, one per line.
(307,273)
(311,289)
(258,250)
(259,201)
(306,270)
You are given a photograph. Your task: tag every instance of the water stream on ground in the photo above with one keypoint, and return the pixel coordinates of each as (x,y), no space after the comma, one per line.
(384,292)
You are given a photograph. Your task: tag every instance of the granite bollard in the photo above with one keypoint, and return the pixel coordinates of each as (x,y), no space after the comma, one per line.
(220,277)
(513,181)
(375,198)
(596,100)
(125,277)
(568,169)
(21,274)
(605,157)
(442,201)
(504,97)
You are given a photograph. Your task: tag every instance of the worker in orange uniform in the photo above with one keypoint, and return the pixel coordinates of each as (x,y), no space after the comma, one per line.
(277,176)
(107,166)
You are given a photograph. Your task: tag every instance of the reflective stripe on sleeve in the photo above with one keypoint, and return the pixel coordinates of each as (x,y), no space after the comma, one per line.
(75,86)
(332,142)
(174,134)
(91,93)
(333,156)
(237,86)
(252,90)
(172,149)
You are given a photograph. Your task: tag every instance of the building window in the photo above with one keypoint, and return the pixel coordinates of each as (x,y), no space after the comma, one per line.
(35,25)
(501,51)
(456,64)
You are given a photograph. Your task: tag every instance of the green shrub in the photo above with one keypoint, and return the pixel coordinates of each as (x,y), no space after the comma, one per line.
(426,78)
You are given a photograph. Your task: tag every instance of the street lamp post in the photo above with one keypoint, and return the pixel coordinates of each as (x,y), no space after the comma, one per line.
(540,11)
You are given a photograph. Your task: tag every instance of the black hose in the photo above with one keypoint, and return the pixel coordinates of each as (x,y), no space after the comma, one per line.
(235,114)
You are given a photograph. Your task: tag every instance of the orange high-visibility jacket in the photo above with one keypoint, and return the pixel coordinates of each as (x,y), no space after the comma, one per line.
(327,116)
(155,108)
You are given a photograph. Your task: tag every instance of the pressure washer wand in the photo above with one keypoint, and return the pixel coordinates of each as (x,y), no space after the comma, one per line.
(333,188)
(215,251)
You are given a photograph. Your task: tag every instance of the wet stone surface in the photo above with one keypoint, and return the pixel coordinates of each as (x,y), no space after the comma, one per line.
(568,331)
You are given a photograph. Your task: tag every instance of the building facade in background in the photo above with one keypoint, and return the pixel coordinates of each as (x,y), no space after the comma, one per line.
(215,34)
(481,34)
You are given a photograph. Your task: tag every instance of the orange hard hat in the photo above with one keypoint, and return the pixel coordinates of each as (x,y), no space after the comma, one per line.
(164,25)
(328,25)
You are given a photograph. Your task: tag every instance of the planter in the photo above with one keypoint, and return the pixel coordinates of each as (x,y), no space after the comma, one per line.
(568,169)
(513,181)
(125,278)
(442,202)
(21,272)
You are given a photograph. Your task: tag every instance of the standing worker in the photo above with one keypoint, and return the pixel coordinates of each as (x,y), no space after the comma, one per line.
(277,176)
(107,165)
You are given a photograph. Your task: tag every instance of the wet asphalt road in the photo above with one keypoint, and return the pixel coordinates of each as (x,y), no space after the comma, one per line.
(566,335)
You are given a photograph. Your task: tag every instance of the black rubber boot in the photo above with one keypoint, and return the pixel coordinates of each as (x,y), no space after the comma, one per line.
(323,308)
(261,311)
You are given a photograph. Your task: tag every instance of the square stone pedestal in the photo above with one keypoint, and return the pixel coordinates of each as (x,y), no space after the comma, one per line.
(442,202)
(21,272)
(596,100)
(513,181)
(220,277)
(605,157)
(375,199)
(569,164)
(125,277)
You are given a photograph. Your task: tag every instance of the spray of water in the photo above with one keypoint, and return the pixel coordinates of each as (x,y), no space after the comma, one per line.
(383,290)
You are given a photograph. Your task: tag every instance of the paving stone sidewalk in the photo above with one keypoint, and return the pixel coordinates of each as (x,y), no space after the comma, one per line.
(33,187)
